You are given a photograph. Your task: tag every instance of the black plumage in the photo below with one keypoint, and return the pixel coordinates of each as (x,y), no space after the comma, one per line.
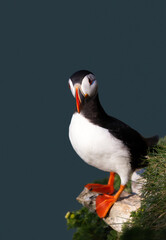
(138,145)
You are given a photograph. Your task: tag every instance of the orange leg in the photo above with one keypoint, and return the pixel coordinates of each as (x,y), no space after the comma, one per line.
(105,201)
(100,188)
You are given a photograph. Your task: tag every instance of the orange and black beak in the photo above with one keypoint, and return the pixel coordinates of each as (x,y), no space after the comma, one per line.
(78,99)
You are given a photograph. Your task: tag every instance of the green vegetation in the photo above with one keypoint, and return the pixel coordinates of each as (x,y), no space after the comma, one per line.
(150,219)
(149,222)
(89,226)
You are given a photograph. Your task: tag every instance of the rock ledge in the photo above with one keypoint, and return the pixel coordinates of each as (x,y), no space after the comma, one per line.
(120,211)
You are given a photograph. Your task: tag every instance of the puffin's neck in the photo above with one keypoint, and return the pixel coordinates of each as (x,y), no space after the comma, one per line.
(92,109)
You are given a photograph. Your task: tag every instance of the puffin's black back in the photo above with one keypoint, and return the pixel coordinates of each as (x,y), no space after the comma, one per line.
(136,144)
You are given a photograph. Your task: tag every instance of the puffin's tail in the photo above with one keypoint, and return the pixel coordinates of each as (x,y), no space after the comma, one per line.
(152,141)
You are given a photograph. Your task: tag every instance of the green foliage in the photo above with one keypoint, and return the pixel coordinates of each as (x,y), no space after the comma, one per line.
(89,226)
(150,219)
(138,233)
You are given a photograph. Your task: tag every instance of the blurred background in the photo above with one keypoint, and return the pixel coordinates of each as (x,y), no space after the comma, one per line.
(42,43)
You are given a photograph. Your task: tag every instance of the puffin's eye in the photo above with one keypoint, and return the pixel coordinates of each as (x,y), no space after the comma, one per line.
(90,81)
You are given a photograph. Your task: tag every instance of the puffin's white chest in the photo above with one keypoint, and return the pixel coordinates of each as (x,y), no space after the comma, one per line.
(96,146)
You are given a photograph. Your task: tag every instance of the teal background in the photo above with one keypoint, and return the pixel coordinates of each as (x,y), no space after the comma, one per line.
(42,43)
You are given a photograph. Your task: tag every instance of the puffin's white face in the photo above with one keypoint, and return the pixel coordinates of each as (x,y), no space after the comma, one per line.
(83,88)
(88,86)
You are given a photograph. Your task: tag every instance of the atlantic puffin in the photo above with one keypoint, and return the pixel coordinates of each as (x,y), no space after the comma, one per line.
(104,141)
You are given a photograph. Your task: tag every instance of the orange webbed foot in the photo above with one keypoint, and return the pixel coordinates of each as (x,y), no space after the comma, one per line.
(100,188)
(104,202)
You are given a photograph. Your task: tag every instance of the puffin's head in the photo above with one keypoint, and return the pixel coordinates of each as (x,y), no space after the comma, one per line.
(82,85)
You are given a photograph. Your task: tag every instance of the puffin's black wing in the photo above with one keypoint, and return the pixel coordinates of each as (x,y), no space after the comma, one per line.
(136,144)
